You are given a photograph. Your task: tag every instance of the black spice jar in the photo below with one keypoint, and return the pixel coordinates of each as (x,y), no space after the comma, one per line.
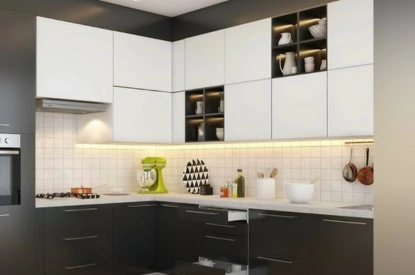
(206,190)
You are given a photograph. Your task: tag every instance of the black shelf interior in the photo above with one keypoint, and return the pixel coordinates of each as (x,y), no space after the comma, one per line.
(209,120)
(286,23)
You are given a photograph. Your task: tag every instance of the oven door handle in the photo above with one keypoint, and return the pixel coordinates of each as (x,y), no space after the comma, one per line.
(11,152)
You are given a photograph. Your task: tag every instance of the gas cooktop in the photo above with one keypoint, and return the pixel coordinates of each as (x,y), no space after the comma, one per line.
(67,195)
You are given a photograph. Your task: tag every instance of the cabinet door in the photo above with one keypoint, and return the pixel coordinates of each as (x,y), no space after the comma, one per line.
(263,264)
(248,111)
(141,115)
(248,52)
(141,62)
(134,243)
(350,102)
(299,106)
(178,65)
(17,73)
(340,245)
(350,41)
(74,62)
(178,126)
(17,241)
(205,60)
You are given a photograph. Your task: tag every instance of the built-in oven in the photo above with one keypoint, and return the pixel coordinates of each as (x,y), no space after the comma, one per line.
(10,166)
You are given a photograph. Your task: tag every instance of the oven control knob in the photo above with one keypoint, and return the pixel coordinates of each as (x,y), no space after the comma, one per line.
(6,140)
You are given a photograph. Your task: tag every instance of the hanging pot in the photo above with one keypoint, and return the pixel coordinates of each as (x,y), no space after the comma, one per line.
(365,174)
(349,170)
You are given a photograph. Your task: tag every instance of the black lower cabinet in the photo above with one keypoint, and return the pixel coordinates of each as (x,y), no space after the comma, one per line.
(134,238)
(263,264)
(82,267)
(17,240)
(340,245)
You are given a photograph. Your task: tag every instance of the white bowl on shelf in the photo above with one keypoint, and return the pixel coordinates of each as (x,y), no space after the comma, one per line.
(318,31)
(299,192)
(219,133)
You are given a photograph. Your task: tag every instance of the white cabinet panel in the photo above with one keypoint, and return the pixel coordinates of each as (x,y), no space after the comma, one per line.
(350,102)
(248,111)
(248,52)
(299,106)
(178,65)
(205,60)
(350,33)
(141,62)
(74,62)
(178,125)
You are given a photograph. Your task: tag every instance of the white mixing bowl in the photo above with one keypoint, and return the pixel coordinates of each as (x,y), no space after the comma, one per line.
(299,192)
(318,31)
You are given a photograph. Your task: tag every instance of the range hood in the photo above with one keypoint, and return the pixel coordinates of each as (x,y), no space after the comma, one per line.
(69,106)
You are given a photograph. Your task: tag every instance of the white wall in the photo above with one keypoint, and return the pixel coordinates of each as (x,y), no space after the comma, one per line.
(61,163)
(395,137)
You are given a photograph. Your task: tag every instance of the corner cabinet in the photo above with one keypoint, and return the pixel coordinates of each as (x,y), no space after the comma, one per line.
(178,66)
(299,106)
(142,63)
(205,60)
(350,102)
(247,52)
(178,117)
(74,62)
(248,115)
(135,116)
(350,32)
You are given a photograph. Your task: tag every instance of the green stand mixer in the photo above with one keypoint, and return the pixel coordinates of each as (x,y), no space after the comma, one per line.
(151,178)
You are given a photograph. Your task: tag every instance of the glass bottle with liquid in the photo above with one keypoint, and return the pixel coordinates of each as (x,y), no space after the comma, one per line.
(240,181)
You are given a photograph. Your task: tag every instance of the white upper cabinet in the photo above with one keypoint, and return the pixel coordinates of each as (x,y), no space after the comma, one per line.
(350,102)
(178,65)
(299,106)
(248,111)
(74,62)
(350,33)
(178,117)
(205,60)
(141,62)
(135,116)
(248,52)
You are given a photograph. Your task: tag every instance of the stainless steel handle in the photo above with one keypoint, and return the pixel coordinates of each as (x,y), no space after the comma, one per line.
(220,225)
(80,238)
(199,212)
(277,216)
(80,210)
(141,205)
(4,215)
(347,222)
(80,266)
(221,239)
(169,205)
(4,124)
(275,260)
(11,152)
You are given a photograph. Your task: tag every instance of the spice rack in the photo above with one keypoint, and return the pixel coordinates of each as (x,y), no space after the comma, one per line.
(303,43)
(210,117)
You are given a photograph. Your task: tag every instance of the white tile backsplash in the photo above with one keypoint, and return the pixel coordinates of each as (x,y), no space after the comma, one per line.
(61,163)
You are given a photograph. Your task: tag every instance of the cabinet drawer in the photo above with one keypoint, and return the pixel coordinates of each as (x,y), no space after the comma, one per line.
(231,228)
(226,248)
(278,233)
(95,267)
(77,247)
(264,264)
(183,268)
(210,215)
(79,219)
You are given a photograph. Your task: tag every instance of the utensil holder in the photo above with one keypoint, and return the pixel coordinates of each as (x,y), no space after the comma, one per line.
(265,189)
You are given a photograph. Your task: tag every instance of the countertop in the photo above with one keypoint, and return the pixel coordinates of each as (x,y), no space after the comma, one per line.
(313,207)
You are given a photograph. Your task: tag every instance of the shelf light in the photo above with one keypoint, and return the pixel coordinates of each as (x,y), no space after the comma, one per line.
(196,96)
(278,28)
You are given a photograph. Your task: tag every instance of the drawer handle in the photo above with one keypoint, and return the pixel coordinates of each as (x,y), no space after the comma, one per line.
(203,213)
(220,225)
(277,216)
(4,215)
(11,152)
(80,238)
(141,205)
(80,266)
(169,205)
(274,260)
(347,222)
(220,239)
(4,124)
(80,210)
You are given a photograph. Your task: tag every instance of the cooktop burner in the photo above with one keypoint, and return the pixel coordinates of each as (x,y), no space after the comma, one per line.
(67,195)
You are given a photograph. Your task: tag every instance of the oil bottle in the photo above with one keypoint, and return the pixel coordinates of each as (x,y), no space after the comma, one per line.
(240,181)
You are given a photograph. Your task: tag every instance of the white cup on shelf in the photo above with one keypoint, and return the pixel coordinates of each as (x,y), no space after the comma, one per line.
(309,60)
(309,68)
